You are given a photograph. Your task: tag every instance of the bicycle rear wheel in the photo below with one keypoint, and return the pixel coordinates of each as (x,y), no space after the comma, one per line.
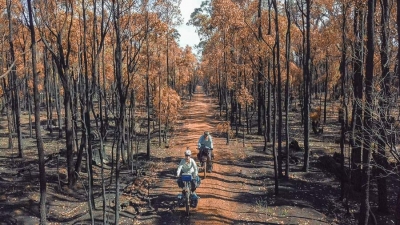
(205,169)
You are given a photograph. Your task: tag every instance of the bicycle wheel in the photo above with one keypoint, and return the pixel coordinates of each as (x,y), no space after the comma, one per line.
(205,169)
(187,201)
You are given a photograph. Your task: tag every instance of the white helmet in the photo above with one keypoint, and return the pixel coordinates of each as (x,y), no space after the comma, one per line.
(188,152)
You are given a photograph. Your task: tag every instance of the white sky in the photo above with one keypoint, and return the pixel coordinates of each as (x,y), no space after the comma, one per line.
(188,33)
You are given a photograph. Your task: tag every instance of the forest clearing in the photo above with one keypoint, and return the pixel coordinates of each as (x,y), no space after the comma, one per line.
(98,102)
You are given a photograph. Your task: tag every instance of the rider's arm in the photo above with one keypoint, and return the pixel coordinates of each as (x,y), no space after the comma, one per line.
(178,172)
(200,141)
(211,141)
(196,169)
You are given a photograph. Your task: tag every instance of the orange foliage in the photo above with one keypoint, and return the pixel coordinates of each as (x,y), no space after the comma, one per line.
(169,106)
(225,127)
(316,115)
(243,96)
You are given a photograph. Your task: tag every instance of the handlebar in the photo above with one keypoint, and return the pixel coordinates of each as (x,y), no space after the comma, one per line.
(205,147)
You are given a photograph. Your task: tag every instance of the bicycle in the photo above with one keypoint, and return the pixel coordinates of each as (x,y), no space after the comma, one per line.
(185,199)
(205,163)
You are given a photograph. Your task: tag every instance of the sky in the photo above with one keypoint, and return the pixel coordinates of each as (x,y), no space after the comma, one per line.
(188,33)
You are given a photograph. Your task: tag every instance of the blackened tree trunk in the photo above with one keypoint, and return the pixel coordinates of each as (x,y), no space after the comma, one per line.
(57,99)
(269,110)
(356,139)
(274,152)
(148,87)
(48,93)
(225,87)
(260,78)
(279,88)
(121,113)
(397,68)
(14,87)
(287,85)
(369,75)
(381,159)
(397,214)
(39,142)
(342,114)
(326,87)
(9,116)
(268,84)
(307,83)
(87,104)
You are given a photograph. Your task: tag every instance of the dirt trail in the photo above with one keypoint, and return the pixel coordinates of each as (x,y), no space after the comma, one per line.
(235,192)
(221,192)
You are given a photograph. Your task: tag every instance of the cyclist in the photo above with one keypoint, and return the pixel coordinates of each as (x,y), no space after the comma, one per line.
(205,140)
(188,165)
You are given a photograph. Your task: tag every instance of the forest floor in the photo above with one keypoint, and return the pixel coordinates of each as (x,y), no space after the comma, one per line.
(240,190)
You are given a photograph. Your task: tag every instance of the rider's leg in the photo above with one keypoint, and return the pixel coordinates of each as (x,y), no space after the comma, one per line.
(180,183)
(199,155)
(193,184)
(209,159)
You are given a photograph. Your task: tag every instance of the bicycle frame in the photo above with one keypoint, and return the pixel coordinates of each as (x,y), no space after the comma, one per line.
(186,190)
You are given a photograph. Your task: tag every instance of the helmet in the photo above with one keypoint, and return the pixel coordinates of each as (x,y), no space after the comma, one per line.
(188,152)
(206,133)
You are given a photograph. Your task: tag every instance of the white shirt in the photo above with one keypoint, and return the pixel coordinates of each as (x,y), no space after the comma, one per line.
(188,167)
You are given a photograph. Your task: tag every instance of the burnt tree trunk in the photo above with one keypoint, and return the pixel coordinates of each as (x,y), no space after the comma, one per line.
(14,86)
(39,142)
(356,136)
(342,115)
(279,88)
(381,159)
(307,84)
(368,130)
(287,85)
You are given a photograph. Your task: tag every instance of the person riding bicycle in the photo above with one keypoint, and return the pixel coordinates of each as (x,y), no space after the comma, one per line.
(188,165)
(205,140)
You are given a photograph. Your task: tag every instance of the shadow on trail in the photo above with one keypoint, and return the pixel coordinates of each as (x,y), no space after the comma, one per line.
(254,177)
(179,217)
(243,164)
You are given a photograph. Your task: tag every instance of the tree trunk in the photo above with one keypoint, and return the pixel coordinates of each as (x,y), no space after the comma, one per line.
(356,141)
(14,86)
(274,152)
(381,159)
(69,136)
(48,90)
(86,117)
(39,142)
(397,212)
(343,116)
(307,83)
(287,85)
(326,87)
(147,88)
(397,68)
(369,75)
(10,123)
(278,85)
(260,77)
(121,112)
(268,124)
